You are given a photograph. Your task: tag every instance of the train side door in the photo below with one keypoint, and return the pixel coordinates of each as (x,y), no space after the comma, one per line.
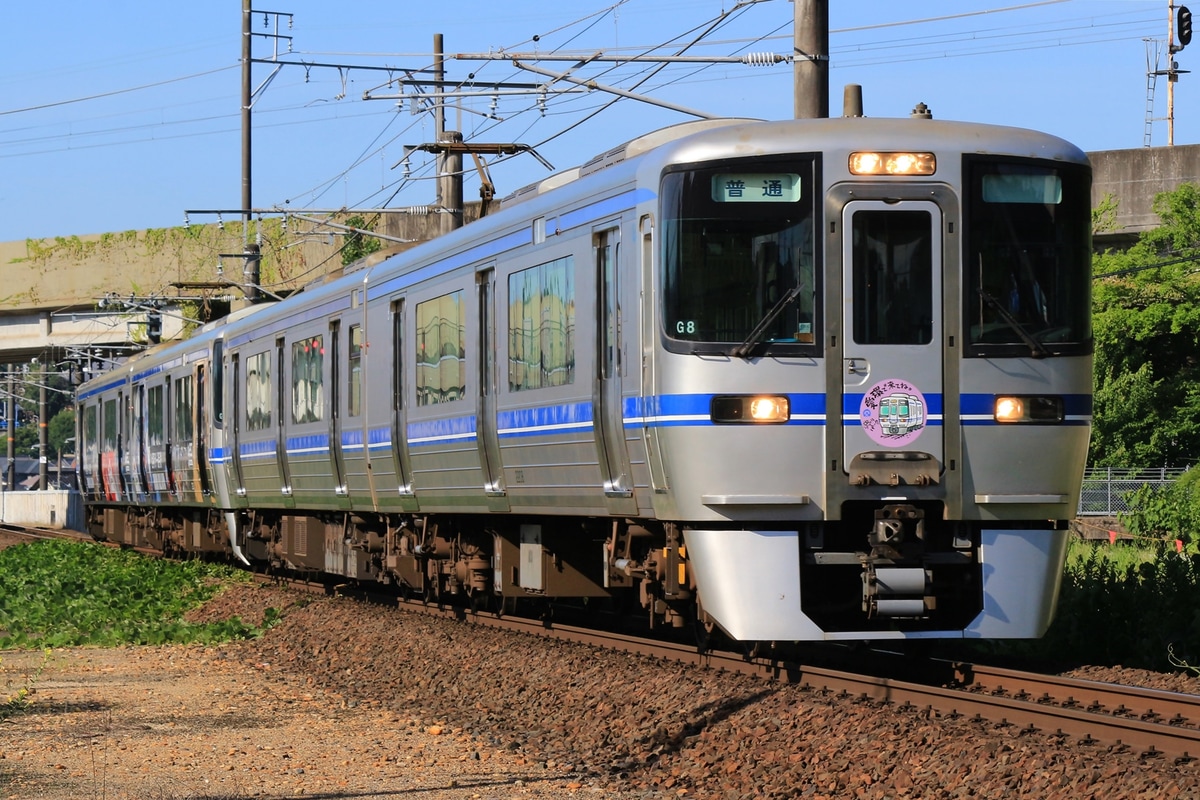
(487,436)
(892,332)
(234,439)
(337,458)
(200,425)
(608,417)
(281,404)
(402,461)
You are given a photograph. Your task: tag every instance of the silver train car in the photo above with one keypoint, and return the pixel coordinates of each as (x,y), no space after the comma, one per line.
(798,380)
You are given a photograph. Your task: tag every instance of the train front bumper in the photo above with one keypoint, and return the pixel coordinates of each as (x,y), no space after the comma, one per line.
(749,583)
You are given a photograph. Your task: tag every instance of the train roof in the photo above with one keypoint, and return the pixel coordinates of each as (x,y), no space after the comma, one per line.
(698,140)
(688,142)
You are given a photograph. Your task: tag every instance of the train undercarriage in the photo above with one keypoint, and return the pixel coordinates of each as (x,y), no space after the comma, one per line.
(894,567)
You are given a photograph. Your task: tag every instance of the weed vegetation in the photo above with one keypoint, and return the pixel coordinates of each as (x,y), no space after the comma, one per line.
(60,593)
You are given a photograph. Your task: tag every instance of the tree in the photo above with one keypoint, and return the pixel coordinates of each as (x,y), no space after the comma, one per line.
(357,245)
(1146,319)
(60,429)
(59,404)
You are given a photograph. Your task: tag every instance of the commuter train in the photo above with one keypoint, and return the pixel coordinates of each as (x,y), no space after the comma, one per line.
(797,380)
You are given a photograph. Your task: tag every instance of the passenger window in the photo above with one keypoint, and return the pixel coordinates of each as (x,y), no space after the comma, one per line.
(154,418)
(258,392)
(308,390)
(183,409)
(541,326)
(441,350)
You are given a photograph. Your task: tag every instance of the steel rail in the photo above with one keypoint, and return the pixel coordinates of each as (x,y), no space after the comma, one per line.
(1091,725)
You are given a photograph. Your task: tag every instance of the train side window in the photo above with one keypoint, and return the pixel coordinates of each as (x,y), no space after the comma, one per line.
(155,414)
(183,431)
(354,395)
(541,325)
(258,392)
(441,350)
(308,375)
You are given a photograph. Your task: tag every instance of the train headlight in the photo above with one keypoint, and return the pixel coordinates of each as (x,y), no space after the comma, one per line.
(761,408)
(869,163)
(1026,408)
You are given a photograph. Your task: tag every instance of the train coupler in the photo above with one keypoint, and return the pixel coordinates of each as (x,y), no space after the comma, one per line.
(897,591)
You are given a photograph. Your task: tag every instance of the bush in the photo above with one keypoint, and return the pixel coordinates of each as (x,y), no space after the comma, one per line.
(1166,512)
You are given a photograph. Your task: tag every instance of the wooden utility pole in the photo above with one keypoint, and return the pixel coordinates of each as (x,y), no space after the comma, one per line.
(811,63)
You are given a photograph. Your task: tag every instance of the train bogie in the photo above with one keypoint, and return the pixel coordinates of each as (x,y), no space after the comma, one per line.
(797,380)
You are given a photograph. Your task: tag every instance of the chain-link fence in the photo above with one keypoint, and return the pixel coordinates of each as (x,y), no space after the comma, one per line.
(1105,488)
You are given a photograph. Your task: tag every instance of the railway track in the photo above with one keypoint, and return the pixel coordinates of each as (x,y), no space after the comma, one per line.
(13,533)
(1151,723)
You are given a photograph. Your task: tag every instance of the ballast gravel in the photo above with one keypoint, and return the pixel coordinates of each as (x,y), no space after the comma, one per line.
(344,700)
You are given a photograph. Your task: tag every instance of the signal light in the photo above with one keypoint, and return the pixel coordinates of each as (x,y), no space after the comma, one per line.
(1183,20)
(154,327)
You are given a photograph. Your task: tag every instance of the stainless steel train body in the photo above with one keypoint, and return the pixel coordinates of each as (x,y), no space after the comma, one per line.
(799,380)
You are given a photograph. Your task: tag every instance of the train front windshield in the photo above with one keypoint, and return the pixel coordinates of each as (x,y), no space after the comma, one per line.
(1027,258)
(738,257)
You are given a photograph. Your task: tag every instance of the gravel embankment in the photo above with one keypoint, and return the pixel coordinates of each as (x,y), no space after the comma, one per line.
(347,700)
(663,729)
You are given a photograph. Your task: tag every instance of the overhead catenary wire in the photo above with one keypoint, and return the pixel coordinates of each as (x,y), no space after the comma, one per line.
(981,32)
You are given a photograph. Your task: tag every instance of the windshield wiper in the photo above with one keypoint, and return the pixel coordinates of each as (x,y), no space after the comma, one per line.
(1035,347)
(756,335)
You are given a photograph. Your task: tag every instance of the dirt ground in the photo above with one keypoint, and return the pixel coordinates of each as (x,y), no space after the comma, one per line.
(175,723)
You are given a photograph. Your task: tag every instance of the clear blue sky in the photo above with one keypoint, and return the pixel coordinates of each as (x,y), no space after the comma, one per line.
(122,115)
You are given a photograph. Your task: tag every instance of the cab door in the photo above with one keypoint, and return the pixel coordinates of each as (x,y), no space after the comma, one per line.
(892,332)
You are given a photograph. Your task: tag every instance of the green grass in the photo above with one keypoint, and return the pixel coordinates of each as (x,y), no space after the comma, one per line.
(60,593)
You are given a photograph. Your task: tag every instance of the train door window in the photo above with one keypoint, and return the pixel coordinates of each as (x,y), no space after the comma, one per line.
(398,354)
(335,370)
(155,417)
(354,394)
(258,392)
(308,380)
(893,277)
(541,325)
(441,350)
(90,427)
(91,434)
(218,385)
(110,426)
(184,429)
